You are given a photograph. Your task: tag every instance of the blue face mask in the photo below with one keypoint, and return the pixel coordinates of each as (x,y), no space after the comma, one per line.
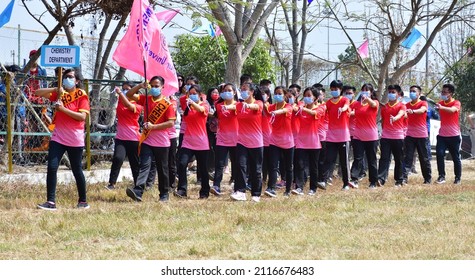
(244,94)
(308,100)
(364,93)
(265,97)
(444,97)
(335,93)
(69,83)
(278,98)
(195,98)
(291,100)
(124,92)
(349,96)
(155,91)
(187,87)
(392,96)
(226,95)
(413,95)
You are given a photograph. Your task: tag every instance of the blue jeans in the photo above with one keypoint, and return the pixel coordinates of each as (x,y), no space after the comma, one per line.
(55,153)
(453,145)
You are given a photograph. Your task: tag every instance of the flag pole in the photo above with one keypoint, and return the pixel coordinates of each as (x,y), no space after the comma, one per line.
(146,91)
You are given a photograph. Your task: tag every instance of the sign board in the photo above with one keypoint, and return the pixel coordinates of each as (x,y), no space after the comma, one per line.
(59,56)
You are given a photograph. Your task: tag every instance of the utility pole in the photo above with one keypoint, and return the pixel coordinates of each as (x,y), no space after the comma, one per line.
(12,53)
(427,52)
(19,36)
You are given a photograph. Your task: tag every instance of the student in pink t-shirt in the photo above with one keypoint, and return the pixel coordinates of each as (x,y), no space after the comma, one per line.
(392,137)
(449,133)
(281,141)
(249,150)
(322,133)
(127,136)
(307,142)
(195,143)
(226,135)
(156,145)
(266,130)
(72,107)
(365,135)
(338,134)
(349,92)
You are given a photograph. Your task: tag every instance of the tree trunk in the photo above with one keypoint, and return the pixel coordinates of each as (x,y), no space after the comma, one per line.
(235,64)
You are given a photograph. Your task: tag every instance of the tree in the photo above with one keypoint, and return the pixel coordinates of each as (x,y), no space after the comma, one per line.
(205,57)
(462,76)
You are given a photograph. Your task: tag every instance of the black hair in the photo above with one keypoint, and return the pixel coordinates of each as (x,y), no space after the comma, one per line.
(265,82)
(160,78)
(416,86)
(397,88)
(266,90)
(245,78)
(279,87)
(192,78)
(317,85)
(372,93)
(208,96)
(76,76)
(347,87)
(221,89)
(128,83)
(336,84)
(315,91)
(295,86)
(449,87)
(197,87)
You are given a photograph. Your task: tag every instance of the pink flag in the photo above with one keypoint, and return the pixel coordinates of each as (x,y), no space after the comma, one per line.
(217,31)
(363,50)
(144,42)
(166,16)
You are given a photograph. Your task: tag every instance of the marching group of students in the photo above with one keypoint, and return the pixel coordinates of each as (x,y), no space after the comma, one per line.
(292,132)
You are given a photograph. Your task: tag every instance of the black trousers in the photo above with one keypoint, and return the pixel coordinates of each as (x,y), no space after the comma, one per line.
(123,148)
(419,144)
(184,157)
(388,147)
(453,145)
(250,161)
(321,161)
(370,148)
(306,158)
(159,155)
(288,157)
(172,162)
(333,149)
(221,159)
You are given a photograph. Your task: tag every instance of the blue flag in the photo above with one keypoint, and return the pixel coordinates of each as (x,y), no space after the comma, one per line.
(6,14)
(411,38)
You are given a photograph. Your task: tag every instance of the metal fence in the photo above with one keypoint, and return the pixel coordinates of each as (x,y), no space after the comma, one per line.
(25,121)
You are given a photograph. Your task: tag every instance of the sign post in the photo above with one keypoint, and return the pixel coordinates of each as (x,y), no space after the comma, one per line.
(59,56)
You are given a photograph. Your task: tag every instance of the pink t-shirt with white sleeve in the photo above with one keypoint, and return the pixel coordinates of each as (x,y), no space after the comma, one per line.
(227,134)
(365,121)
(250,125)
(307,137)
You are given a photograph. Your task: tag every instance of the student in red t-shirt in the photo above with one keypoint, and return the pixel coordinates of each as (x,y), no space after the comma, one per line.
(195,143)
(281,141)
(349,92)
(449,133)
(266,130)
(226,135)
(322,134)
(365,135)
(338,134)
(416,135)
(392,137)
(249,150)
(72,107)
(157,145)
(127,137)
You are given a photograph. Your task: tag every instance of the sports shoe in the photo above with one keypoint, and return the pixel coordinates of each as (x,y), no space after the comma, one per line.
(398,185)
(457,181)
(380,183)
(312,192)
(297,191)
(50,206)
(132,194)
(345,188)
(83,205)
(426,182)
(329,181)
(238,196)
(372,186)
(440,180)
(270,192)
(164,198)
(353,184)
(110,187)
(256,198)
(216,190)
(248,187)
(321,185)
(203,196)
(180,193)
(280,184)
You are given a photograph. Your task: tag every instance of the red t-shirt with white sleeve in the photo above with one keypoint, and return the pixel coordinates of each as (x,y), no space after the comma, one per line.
(417,123)
(266,126)
(365,121)
(282,135)
(394,130)
(158,138)
(352,118)
(250,125)
(128,122)
(68,131)
(338,123)
(227,133)
(296,122)
(449,122)
(307,137)
(195,136)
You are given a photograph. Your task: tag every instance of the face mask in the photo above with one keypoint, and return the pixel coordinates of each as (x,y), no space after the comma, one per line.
(187,87)
(155,91)
(227,95)
(392,96)
(194,97)
(308,100)
(278,98)
(335,93)
(413,95)
(264,97)
(349,96)
(291,100)
(244,94)
(125,91)
(444,97)
(364,93)
(68,83)
(214,96)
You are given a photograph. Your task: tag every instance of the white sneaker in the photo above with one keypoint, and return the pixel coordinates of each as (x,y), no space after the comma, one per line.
(256,198)
(239,196)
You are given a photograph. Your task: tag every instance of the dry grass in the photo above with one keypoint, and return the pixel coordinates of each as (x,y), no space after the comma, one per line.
(415,222)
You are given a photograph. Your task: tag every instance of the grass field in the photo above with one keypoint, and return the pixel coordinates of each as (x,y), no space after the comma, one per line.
(414,222)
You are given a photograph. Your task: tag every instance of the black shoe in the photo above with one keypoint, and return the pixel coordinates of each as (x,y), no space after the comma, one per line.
(203,196)
(110,187)
(426,182)
(50,206)
(457,181)
(270,192)
(132,194)
(380,183)
(82,205)
(164,198)
(321,185)
(440,180)
(372,186)
(180,194)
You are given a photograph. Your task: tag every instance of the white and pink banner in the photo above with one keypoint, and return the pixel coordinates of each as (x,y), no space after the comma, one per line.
(144,42)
